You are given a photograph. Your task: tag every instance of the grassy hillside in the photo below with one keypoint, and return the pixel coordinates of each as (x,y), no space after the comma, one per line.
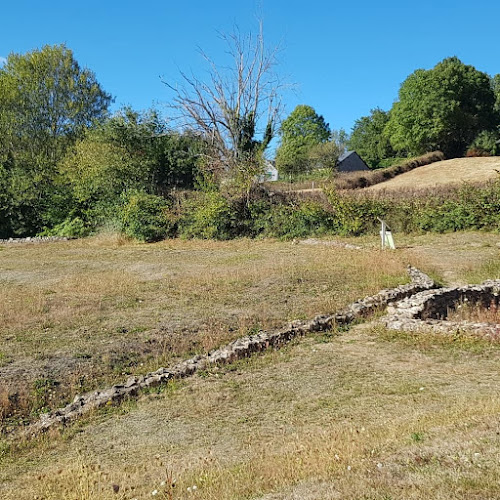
(444,173)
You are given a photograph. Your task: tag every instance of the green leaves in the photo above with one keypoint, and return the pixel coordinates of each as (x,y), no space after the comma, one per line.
(369,140)
(46,102)
(302,130)
(443,108)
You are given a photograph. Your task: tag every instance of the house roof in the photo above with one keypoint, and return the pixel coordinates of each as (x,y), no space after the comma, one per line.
(345,155)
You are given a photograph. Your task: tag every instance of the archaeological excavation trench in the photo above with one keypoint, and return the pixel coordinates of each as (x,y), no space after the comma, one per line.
(417,305)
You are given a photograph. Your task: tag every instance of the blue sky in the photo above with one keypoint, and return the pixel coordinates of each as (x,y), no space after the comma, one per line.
(344,57)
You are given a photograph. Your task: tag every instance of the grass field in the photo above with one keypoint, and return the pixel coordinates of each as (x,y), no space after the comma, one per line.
(444,173)
(77,315)
(367,413)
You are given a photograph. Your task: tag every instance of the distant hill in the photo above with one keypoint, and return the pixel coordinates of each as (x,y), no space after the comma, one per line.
(448,172)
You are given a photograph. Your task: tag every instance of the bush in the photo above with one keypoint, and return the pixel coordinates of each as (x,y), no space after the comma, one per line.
(145,217)
(485,144)
(297,219)
(357,180)
(69,228)
(356,216)
(207,215)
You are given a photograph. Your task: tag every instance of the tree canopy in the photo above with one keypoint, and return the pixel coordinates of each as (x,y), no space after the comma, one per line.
(47,101)
(236,108)
(368,138)
(300,132)
(442,108)
(495,84)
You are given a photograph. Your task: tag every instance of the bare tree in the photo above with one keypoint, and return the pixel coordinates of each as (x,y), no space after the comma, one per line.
(235,108)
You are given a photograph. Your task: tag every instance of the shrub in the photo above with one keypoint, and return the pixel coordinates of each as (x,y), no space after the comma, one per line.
(69,228)
(485,144)
(145,217)
(297,219)
(207,215)
(357,180)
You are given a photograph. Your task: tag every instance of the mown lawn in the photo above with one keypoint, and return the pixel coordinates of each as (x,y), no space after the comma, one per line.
(362,414)
(77,315)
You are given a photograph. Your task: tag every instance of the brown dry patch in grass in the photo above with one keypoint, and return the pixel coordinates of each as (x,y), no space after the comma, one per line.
(443,173)
(369,414)
(85,313)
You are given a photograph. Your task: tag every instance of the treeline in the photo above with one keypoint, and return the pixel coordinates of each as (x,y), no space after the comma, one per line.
(453,108)
(66,164)
(69,167)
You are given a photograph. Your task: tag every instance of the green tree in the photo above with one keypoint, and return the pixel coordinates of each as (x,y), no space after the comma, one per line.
(368,137)
(47,101)
(130,151)
(495,85)
(168,158)
(325,155)
(485,144)
(442,108)
(300,132)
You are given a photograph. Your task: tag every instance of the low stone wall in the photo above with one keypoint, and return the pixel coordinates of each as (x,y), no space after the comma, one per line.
(35,239)
(241,348)
(429,309)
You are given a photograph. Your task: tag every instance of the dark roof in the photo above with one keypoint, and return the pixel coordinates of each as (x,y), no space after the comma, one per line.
(345,155)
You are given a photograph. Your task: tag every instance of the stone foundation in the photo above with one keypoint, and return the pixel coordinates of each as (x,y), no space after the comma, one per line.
(429,309)
(35,239)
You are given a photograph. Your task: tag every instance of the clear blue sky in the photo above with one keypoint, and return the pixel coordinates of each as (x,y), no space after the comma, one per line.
(345,57)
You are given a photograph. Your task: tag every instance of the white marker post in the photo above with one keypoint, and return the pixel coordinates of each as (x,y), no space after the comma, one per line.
(386,236)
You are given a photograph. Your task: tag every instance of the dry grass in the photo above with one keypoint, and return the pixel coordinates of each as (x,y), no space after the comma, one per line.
(368,414)
(448,172)
(476,313)
(454,258)
(362,179)
(84,313)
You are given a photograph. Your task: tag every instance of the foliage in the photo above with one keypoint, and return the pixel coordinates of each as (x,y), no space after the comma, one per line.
(495,85)
(69,228)
(176,160)
(485,144)
(49,100)
(463,208)
(324,155)
(166,158)
(300,132)
(355,216)
(442,108)
(46,102)
(298,219)
(98,171)
(206,215)
(369,140)
(130,151)
(358,180)
(341,139)
(145,217)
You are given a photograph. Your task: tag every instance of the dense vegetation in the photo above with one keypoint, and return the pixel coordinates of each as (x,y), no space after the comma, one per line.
(69,167)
